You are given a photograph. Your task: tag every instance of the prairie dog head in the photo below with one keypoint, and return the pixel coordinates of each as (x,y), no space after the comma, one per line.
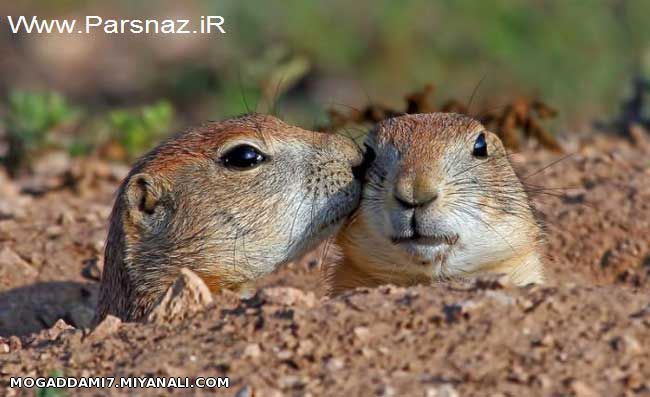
(441,200)
(231,201)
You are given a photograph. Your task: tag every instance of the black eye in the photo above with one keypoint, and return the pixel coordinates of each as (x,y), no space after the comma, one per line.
(480,146)
(242,157)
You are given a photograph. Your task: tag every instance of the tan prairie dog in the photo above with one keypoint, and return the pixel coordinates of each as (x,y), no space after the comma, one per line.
(440,200)
(229,200)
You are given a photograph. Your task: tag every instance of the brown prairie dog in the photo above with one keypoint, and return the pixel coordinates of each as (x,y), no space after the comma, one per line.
(229,200)
(440,200)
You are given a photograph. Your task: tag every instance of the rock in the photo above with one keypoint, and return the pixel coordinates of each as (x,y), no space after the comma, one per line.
(13,267)
(187,295)
(65,218)
(252,350)
(289,296)
(362,333)
(291,381)
(15,343)
(580,389)
(98,247)
(108,326)
(52,163)
(634,380)
(445,390)
(639,134)
(11,209)
(118,171)
(500,297)
(614,375)
(83,174)
(627,344)
(37,259)
(244,391)
(53,231)
(305,347)
(7,187)
(7,229)
(334,364)
(284,354)
(57,329)
(39,185)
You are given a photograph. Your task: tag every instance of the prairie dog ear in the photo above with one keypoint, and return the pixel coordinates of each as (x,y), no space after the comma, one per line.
(143,194)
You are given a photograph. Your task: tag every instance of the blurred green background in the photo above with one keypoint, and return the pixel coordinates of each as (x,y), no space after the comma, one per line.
(118,94)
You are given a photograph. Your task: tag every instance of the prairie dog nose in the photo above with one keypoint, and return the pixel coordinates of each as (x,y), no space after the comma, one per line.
(413,191)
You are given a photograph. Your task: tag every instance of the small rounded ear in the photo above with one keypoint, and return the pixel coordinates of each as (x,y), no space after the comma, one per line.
(143,194)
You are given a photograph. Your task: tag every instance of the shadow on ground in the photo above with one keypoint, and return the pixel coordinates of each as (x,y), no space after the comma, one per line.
(29,309)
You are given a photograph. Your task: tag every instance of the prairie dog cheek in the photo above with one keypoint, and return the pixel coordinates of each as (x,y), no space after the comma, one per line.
(482,243)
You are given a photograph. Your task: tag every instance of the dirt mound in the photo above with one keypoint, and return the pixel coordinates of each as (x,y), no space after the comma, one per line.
(388,341)
(595,205)
(584,334)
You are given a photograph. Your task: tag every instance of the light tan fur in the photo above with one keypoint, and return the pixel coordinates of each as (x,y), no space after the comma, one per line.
(430,210)
(183,206)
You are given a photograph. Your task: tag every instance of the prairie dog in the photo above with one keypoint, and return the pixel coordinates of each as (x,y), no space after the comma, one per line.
(229,200)
(440,200)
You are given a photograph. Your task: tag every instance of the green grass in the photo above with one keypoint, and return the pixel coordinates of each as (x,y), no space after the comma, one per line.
(30,117)
(295,58)
(137,129)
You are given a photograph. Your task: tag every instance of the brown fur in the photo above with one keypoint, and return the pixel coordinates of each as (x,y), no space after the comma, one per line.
(180,206)
(477,206)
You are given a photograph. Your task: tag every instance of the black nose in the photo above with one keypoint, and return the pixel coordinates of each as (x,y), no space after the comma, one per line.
(359,171)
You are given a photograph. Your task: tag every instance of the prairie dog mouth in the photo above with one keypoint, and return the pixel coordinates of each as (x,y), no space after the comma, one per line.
(421,239)
(426,250)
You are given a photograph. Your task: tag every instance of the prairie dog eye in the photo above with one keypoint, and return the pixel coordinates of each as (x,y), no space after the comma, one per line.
(480,146)
(242,157)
